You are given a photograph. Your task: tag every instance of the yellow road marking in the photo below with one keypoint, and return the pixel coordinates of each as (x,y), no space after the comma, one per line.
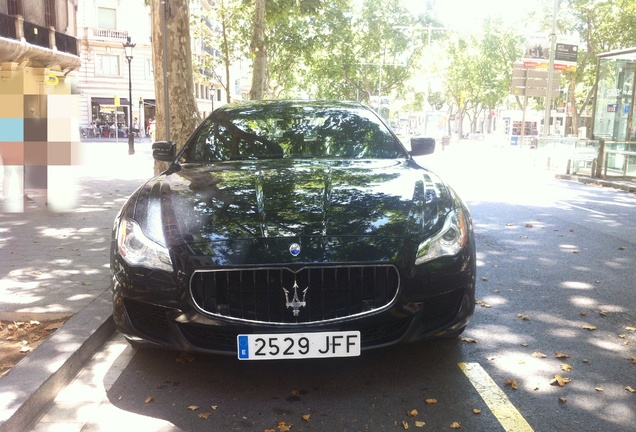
(495,398)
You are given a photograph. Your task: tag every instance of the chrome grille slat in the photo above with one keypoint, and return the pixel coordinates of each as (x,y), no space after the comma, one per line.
(256,294)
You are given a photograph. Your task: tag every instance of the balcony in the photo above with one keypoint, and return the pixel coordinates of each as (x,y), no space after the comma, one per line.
(41,46)
(107,34)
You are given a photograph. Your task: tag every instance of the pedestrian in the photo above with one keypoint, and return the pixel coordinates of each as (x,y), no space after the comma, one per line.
(151,130)
(135,127)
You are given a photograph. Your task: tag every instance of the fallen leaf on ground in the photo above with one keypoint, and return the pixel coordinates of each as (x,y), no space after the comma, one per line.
(455,425)
(589,327)
(566,367)
(193,407)
(468,340)
(561,355)
(306,417)
(419,424)
(214,406)
(538,355)
(633,360)
(485,279)
(204,415)
(405,424)
(512,383)
(562,400)
(629,389)
(603,313)
(524,317)
(431,401)
(412,413)
(599,389)
(476,411)
(284,426)
(630,328)
(149,399)
(559,380)
(583,313)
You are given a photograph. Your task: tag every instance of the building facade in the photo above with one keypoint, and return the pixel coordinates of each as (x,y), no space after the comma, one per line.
(103,27)
(39,59)
(103,79)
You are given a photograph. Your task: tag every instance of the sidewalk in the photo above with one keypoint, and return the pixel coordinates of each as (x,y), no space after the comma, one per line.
(56,264)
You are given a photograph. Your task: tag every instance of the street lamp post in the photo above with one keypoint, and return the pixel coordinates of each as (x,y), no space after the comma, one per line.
(128,48)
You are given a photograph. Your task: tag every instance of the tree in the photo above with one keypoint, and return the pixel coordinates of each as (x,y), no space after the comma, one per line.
(373,50)
(183,114)
(480,70)
(259,51)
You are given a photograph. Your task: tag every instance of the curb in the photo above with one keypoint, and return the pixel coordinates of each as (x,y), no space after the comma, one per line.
(34,382)
(627,186)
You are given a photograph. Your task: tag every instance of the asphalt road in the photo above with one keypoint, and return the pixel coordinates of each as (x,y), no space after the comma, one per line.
(551,346)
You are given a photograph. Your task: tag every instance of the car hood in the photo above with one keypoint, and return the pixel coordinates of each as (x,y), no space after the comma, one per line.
(241,200)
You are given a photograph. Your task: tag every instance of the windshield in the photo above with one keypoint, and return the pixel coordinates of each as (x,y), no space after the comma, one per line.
(274,131)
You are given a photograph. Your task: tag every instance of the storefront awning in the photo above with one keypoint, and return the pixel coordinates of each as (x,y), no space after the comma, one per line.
(109,101)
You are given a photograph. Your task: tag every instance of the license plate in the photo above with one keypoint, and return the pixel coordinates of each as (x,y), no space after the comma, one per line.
(298,345)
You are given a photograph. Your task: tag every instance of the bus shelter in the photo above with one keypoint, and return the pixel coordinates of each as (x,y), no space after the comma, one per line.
(614,122)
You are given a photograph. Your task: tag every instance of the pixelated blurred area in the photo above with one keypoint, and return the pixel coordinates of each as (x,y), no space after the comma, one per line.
(39,139)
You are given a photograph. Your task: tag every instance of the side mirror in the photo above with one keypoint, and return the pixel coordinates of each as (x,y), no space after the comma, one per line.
(164,151)
(421,146)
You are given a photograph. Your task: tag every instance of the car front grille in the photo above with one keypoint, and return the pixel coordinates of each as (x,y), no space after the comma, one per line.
(286,296)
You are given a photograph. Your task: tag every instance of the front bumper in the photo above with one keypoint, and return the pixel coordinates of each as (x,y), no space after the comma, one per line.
(434,300)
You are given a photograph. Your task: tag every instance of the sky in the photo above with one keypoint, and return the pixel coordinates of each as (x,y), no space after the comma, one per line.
(468,15)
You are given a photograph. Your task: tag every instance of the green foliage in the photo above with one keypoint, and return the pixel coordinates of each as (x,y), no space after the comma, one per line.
(480,70)
(341,49)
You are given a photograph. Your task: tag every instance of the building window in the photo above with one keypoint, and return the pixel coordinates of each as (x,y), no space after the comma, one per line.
(106,64)
(106,18)
(15,7)
(49,13)
(218,94)
(149,68)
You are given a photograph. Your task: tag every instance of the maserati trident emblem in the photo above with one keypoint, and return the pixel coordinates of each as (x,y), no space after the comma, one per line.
(296,303)
(294,249)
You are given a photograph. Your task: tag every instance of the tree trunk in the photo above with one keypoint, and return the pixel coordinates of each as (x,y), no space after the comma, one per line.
(226,55)
(259,54)
(572,103)
(182,112)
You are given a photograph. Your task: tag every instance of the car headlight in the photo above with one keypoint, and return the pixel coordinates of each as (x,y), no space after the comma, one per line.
(449,241)
(138,250)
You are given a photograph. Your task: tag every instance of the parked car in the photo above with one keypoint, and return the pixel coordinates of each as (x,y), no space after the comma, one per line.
(292,229)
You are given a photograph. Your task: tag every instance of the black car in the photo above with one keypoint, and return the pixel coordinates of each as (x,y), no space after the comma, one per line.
(292,229)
